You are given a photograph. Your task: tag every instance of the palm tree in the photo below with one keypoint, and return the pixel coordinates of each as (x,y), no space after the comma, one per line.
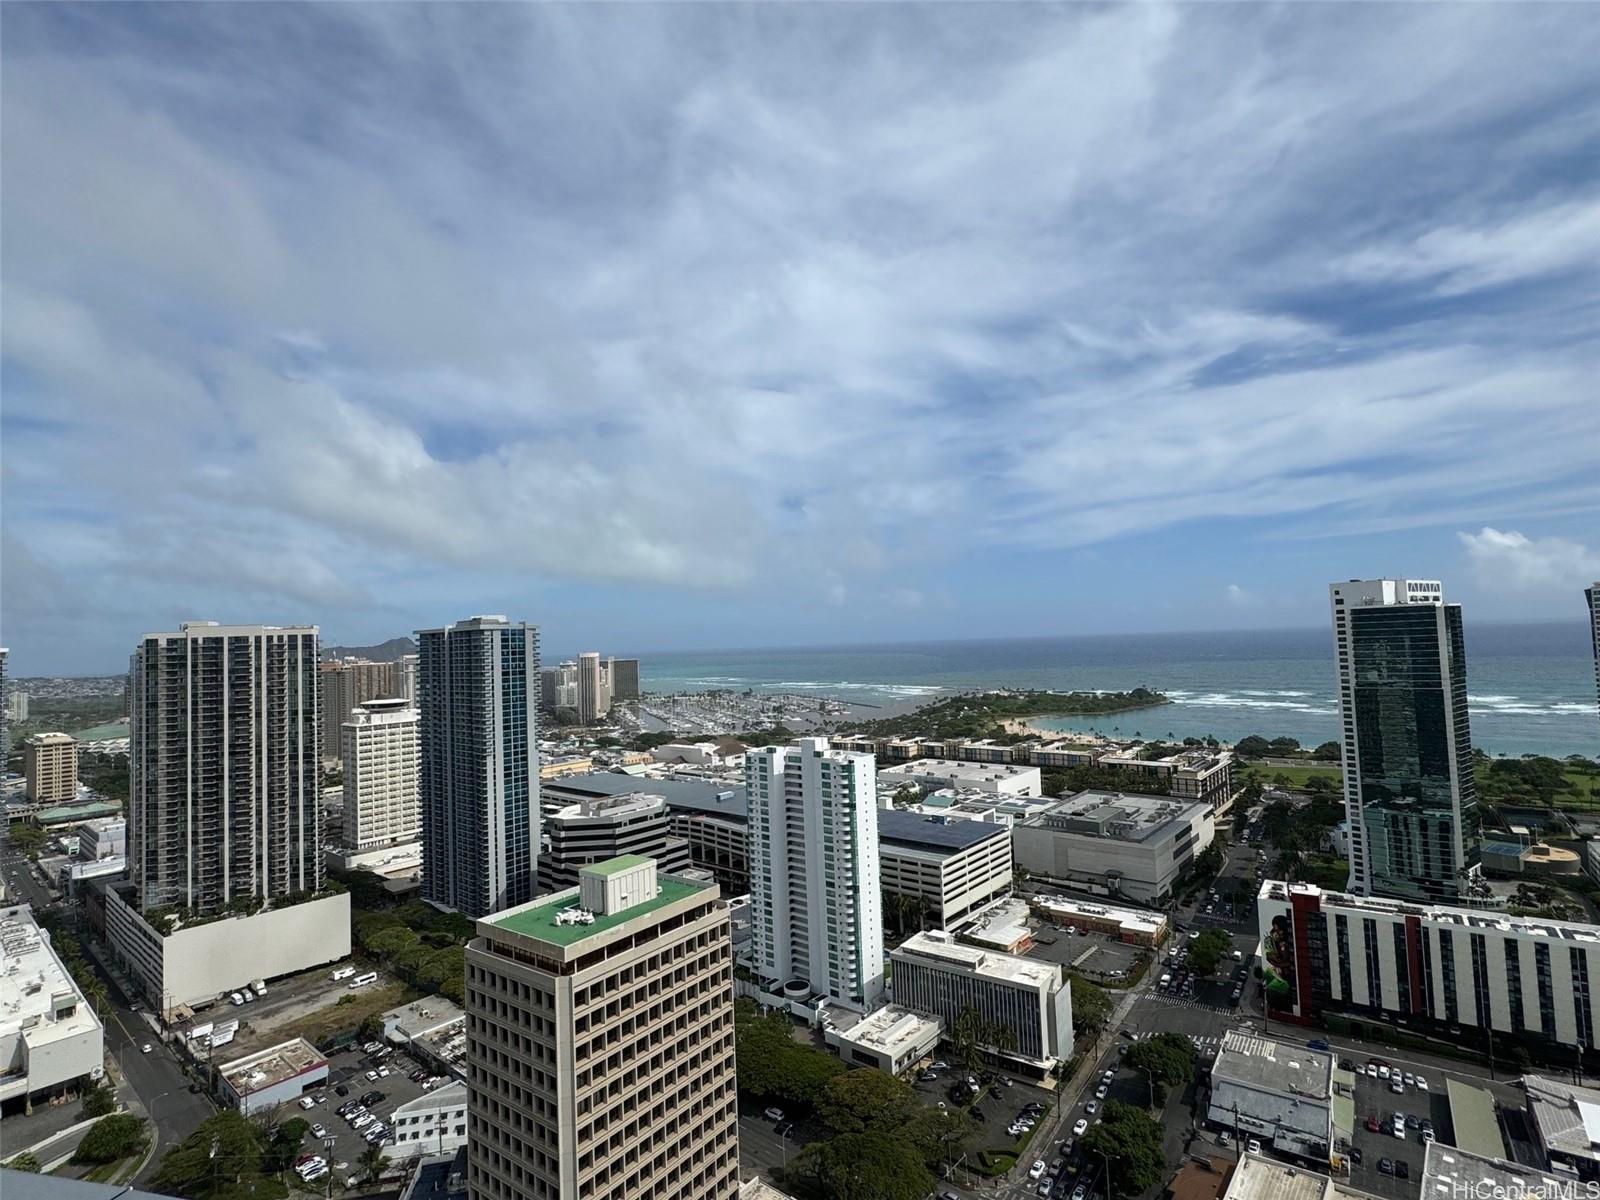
(373,1162)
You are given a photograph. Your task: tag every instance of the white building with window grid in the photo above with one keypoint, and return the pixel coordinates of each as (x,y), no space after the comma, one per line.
(816,906)
(1465,971)
(382,765)
(933,973)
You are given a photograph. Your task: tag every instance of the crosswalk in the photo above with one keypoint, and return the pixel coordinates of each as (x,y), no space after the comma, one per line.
(1191,1002)
(1203,1043)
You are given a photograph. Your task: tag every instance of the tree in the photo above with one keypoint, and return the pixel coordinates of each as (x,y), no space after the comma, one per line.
(860,1166)
(26,1161)
(940,1135)
(971,1034)
(220,1159)
(1091,1007)
(99,1101)
(111,1138)
(1252,747)
(865,1100)
(1128,1142)
(390,942)
(1327,752)
(771,1064)
(1166,1059)
(373,1163)
(1319,785)
(1284,746)
(1207,950)
(27,837)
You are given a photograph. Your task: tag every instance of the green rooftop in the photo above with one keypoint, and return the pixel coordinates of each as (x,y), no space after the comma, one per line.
(623,862)
(77,812)
(539,920)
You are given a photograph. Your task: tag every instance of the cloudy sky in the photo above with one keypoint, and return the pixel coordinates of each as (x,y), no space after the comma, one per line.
(683,326)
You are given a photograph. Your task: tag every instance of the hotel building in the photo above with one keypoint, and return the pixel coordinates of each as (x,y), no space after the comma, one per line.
(382,769)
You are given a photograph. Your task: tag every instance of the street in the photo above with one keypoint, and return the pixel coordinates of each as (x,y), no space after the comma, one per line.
(155,1085)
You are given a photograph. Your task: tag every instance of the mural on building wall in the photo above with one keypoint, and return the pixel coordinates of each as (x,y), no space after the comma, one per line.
(1278,970)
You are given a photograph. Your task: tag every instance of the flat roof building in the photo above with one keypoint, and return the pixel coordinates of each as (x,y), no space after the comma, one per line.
(1115,844)
(49,1036)
(434,1123)
(935,974)
(1565,1122)
(893,1039)
(600,1043)
(597,830)
(1459,971)
(382,776)
(951,868)
(1454,1172)
(1006,779)
(277,1075)
(1274,1091)
(1135,926)
(50,768)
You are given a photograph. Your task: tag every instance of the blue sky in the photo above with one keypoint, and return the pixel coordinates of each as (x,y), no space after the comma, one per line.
(686,326)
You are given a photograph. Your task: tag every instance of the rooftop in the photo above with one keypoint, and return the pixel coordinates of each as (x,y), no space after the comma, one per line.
(35,986)
(943,947)
(935,832)
(1472,1115)
(537,919)
(1066,908)
(271,1066)
(1267,1065)
(421,1016)
(1449,1172)
(1441,914)
(1128,818)
(1568,1116)
(1258,1178)
(959,769)
(699,795)
(617,865)
(892,1028)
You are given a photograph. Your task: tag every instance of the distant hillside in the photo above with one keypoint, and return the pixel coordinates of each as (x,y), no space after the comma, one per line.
(391,651)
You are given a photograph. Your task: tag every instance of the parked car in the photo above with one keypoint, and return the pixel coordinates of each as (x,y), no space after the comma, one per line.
(1080,1128)
(1036,1170)
(773,1114)
(1402,1169)
(319,1131)
(1386,1166)
(1253,1146)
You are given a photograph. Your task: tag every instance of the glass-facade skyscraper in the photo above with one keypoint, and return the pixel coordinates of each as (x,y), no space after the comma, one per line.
(1407,747)
(478,698)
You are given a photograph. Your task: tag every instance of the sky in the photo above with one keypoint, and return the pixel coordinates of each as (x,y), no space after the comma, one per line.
(687,326)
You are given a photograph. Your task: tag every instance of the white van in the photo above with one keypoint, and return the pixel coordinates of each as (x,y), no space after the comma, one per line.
(1166,978)
(235,999)
(1238,956)
(361,981)
(342,973)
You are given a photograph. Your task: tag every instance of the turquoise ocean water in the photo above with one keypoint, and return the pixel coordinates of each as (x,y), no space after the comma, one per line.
(1531,686)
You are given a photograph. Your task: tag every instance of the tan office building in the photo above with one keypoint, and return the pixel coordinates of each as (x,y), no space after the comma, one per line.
(600,1043)
(50,765)
(382,764)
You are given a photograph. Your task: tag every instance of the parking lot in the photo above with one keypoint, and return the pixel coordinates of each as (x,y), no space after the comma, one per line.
(1093,954)
(338,1140)
(998,1103)
(1376,1100)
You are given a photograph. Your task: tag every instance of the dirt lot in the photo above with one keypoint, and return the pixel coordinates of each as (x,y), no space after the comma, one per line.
(328,1009)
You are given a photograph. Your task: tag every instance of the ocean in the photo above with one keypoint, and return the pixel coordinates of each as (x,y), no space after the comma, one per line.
(1531,687)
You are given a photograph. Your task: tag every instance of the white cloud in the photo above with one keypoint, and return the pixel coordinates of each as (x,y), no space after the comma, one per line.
(1511,561)
(865,289)
(1240,597)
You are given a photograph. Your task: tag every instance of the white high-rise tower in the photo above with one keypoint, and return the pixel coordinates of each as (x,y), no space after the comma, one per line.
(817,908)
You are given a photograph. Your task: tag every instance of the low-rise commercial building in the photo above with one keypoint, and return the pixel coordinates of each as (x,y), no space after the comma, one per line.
(1462,1173)
(1135,926)
(1274,1091)
(1564,1120)
(1115,845)
(421,1018)
(50,766)
(1460,970)
(952,868)
(1005,779)
(280,1074)
(1202,775)
(893,1039)
(184,965)
(434,1123)
(49,1036)
(935,974)
(1256,1177)
(106,837)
